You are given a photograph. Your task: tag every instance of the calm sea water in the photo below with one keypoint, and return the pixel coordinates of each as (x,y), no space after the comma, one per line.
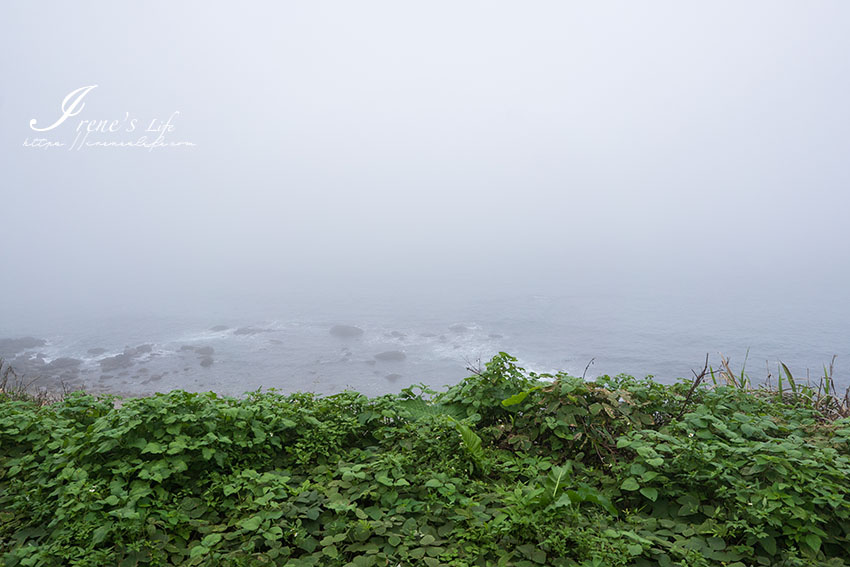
(289,347)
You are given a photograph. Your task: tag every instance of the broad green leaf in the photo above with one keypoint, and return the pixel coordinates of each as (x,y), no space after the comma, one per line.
(252,523)
(813,541)
(198,551)
(211,540)
(768,543)
(649,492)
(330,550)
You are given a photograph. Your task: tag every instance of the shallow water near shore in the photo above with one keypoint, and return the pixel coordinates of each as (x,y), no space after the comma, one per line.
(231,348)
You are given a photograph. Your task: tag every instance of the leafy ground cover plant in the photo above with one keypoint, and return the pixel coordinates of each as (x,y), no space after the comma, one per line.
(506,468)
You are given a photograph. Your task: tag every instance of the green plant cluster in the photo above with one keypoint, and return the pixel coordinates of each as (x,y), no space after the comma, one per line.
(507,468)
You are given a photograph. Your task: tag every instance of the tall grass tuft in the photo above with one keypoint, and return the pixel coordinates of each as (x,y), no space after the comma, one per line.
(822,397)
(16,387)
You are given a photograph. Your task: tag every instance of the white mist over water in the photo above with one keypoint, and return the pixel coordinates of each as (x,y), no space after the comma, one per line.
(639,184)
(290,347)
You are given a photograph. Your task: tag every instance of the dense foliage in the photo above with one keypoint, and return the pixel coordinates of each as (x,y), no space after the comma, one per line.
(502,469)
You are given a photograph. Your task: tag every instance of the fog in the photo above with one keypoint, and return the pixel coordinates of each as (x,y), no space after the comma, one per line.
(427,153)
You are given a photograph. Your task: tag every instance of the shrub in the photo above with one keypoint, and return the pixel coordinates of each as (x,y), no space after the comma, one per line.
(506,468)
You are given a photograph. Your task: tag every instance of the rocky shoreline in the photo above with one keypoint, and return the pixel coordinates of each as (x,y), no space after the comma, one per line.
(135,369)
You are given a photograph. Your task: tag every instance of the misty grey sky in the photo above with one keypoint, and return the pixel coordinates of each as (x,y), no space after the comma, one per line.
(402,146)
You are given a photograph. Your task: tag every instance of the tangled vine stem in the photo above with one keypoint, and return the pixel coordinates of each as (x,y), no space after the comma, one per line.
(586,368)
(698,378)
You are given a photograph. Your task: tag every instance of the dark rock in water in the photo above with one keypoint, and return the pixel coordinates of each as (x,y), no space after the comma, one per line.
(207,361)
(116,362)
(69,376)
(96,351)
(12,346)
(428,335)
(106,376)
(63,363)
(156,377)
(219,328)
(25,364)
(459,328)
(371,362)
(205,350)
(187,347)
(276,341)
(495,336)
(144,370)
(249,331)
(392,377)
(128,355)
(346,331)
(391,356)
(397,335)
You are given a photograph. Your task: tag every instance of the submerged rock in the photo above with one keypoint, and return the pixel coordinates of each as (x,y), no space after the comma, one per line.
(346,331)
(205,350)
(391,356)
(13,346)
(392,377)
(126,359)
(459,328)
(207,361)
(96,351)
(63,363)
(249,331)
(116,362)
(219,328)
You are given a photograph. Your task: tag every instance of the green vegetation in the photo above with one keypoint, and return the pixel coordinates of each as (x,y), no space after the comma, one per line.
(506,468)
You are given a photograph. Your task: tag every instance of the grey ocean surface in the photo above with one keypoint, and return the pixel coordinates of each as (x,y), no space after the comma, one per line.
(290,347)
